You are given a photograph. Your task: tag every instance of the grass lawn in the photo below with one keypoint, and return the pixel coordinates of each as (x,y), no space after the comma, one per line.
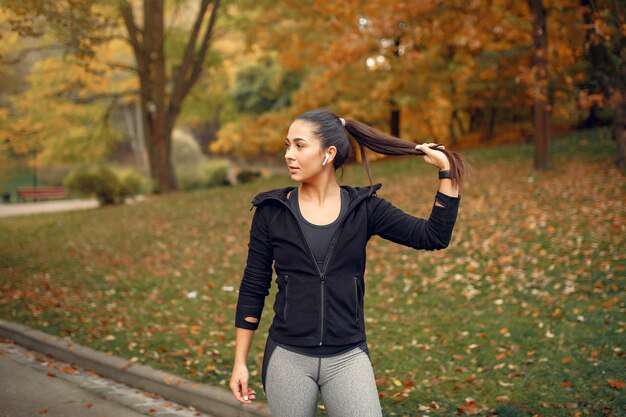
(522,315)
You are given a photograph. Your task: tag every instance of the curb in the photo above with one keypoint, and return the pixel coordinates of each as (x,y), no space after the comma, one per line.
(41,207)
(205,398)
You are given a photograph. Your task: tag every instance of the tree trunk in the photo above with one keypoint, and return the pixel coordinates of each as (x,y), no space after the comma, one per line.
(154,103)
(394,121)
(453,138)
(476,118)
(540,71)
(619,130)
(489,124)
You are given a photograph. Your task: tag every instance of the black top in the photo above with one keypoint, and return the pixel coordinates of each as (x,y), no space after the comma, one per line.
(318,236)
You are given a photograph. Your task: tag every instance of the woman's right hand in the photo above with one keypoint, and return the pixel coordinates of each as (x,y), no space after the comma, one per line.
(239,384)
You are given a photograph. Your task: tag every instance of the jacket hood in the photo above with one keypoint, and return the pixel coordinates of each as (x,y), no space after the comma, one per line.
(355,193)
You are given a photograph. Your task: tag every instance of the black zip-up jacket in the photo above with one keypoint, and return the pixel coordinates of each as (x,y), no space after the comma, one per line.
(313,306)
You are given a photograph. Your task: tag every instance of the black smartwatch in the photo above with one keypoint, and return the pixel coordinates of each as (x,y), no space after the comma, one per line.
(445,173)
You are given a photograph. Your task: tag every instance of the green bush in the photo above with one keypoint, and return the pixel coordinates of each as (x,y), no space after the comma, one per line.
(132,182)
(247,175)
(193,170)
(209,173)
(108,185)
(189,177)
(94,180)
(185,150)
(216,172)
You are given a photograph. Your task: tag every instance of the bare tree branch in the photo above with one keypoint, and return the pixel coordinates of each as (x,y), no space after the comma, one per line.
(96,97)
(134,33)
(66,91)
(122,66)
(206,42)
(179,83)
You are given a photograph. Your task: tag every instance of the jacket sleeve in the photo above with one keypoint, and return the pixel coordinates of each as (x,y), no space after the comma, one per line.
(391,223)
(257,276)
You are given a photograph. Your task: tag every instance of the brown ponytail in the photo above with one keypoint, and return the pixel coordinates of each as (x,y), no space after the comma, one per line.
(385,144)
(332,132)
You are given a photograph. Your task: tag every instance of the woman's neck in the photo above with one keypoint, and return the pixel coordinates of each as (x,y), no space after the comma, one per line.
(319,193)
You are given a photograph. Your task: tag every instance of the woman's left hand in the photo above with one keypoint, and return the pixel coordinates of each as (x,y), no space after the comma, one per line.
(434,156)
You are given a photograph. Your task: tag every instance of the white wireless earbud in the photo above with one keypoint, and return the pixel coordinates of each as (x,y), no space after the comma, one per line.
(326,159)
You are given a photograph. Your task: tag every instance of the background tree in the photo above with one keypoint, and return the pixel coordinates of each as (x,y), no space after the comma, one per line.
(163,82)
(460,73)
(161,105)
(540,91)
(605,51)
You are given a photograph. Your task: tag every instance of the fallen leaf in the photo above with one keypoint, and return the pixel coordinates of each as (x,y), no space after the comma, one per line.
(615,384)
(68,370)
(469,408)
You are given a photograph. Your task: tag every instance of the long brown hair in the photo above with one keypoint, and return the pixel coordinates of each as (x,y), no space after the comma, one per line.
(331,131)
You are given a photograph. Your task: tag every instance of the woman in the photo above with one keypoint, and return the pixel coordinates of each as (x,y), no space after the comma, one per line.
(316,236)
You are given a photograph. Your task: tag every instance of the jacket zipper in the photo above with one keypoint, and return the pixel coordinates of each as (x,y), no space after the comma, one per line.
(330,252)
(314,262)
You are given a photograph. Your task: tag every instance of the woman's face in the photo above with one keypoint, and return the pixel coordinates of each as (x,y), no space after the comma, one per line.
(303,153)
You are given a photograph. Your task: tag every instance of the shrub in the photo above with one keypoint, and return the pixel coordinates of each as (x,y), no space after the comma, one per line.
(216,172)
(189,177)
(108,185)
(209,173)
(132,182)
(185,150)
(247,175)
(94,180)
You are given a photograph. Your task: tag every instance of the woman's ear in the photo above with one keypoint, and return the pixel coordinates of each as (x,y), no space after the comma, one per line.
(332,151)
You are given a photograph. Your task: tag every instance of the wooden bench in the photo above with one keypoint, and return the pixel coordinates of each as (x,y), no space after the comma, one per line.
(40,193)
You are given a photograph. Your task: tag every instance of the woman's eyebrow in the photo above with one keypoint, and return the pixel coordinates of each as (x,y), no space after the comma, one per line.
(296,139)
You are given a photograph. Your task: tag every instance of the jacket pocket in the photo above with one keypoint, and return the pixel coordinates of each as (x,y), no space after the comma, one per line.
(343,309)
(356,301)
(297,307)
(286,298)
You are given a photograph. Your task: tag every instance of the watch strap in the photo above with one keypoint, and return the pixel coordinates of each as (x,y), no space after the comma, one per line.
(445,173)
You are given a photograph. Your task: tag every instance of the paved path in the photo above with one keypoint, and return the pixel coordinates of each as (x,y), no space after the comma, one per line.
(21,209)
(34,384)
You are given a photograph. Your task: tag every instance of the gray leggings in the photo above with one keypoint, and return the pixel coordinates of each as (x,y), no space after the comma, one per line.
(346,382)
